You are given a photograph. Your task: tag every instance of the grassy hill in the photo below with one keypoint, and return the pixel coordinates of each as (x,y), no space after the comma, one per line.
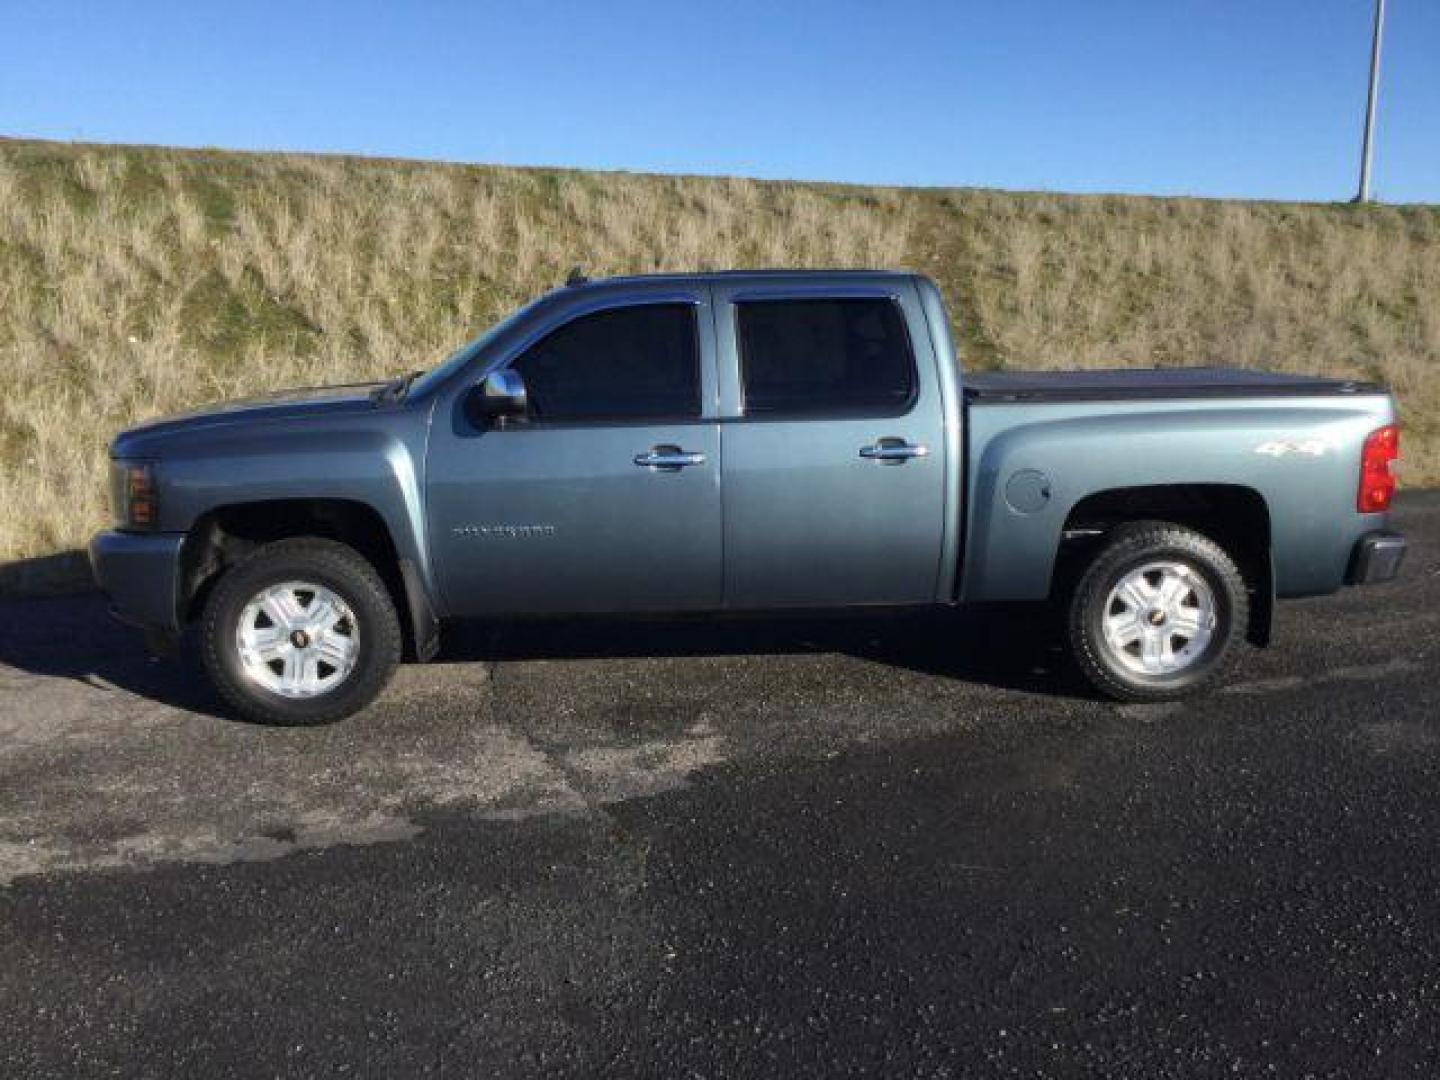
(137,281)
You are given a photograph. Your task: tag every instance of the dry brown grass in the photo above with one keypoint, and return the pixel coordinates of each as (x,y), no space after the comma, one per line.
(135,282)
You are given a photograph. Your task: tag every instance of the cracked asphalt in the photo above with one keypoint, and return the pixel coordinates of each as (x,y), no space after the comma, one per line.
(892,846)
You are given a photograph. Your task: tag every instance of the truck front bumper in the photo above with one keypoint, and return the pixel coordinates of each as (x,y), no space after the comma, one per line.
(1377,558)
(140,573)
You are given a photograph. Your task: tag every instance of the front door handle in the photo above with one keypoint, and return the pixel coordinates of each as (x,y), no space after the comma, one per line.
(668,458)
(893,451)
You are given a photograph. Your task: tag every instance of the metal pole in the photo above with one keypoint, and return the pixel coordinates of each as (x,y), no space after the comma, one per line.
(1367,150)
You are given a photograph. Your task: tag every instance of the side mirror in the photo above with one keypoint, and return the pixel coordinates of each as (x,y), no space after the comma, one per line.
(502,396)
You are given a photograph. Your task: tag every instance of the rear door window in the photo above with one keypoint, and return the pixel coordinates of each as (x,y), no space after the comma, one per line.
(837,357)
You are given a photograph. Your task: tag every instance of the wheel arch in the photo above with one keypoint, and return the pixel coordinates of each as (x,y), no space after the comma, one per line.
(223,535)
(1234,516)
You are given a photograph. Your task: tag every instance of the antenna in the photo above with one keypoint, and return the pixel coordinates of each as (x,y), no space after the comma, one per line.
(577,277)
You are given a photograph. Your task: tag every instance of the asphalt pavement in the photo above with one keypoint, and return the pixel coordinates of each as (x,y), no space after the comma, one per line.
(891,846)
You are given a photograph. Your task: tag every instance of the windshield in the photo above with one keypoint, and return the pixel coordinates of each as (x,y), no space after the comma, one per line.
(438,375)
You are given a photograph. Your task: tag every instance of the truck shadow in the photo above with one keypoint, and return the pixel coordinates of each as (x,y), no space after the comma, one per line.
(63,573)
(1011,648)
(72,637)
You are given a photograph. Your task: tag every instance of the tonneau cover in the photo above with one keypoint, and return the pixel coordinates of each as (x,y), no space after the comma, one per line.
(1178,382)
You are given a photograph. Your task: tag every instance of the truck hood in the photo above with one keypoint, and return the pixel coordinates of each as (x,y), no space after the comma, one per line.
(300,404)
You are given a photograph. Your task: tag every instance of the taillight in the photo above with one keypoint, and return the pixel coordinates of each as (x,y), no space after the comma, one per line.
(1377,472)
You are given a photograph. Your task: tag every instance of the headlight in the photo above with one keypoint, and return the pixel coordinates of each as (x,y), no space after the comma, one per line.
(132,494)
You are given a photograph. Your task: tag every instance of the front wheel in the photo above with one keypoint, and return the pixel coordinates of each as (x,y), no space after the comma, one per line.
(1156,612)
(302,632)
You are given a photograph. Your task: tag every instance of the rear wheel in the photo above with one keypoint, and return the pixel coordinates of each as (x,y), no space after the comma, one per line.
(302,632)
(1156,613)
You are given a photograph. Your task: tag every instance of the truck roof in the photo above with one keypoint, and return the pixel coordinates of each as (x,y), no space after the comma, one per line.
(817,276)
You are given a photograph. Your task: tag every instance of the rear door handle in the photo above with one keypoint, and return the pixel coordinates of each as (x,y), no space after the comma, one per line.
(893,451)
(668,458)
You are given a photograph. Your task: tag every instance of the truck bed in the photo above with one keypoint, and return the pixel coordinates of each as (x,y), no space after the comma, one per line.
(1150,383)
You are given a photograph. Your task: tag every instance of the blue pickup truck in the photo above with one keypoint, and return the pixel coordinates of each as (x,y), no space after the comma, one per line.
(736,442)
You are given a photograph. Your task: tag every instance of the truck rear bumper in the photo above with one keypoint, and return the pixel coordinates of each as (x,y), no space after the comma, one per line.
(140,573)
(1377,558)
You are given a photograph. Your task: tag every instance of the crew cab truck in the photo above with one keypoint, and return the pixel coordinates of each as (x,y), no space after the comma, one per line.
(742,441)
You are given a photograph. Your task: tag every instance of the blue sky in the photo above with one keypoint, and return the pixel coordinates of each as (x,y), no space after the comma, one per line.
(1251,98)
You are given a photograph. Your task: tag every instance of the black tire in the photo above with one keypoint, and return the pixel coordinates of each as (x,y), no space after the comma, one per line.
(322,562)
(1127,549)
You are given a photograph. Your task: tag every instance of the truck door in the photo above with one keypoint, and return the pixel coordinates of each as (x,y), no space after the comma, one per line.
(606,497)
(834,471)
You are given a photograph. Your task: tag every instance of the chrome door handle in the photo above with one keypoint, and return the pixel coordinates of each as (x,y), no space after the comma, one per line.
(668,458)
(893,451)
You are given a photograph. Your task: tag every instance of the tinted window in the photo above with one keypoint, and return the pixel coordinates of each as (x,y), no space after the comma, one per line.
(622,363)
(825,356)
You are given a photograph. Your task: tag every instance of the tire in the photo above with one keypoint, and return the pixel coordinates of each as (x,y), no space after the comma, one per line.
(281,660)
(1180,595)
